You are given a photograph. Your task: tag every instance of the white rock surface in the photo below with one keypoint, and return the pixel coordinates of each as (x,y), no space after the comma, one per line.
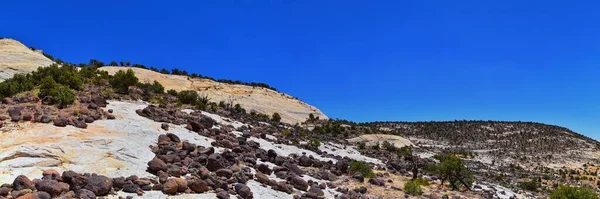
(110,147)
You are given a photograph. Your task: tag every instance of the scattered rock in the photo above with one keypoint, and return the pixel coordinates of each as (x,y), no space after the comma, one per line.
(170,187)
(243,191)
(22,182)
(156,164)
(298,183)
(100,185)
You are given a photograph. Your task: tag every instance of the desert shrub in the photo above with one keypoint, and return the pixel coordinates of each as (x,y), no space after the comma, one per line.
(122,80)
(361,167)
(375,146)
(172,92)
(188,97)
(17,84)
(570,192)
(238,109)
(421,181)
(361,145)
(276,117)
(412,188)
(154,87)
(389,146)
(67,75)
(286,133)
(530,185)
(55,93)
(452,169)
(313,143)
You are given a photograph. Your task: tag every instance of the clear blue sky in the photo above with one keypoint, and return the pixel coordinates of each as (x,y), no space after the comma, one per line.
(357,60)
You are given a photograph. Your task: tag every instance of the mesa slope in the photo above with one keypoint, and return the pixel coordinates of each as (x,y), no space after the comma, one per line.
(16,58)
(259,99)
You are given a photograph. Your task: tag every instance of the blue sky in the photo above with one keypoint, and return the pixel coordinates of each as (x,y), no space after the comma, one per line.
(357,60)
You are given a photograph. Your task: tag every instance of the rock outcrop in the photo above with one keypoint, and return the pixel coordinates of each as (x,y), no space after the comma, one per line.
(16,58)
(259,99)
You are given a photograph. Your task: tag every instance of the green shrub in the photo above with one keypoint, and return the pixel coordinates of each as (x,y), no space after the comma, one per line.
(56,93)
(569,192)
(361,167)
(122,80)
(157,88)
(412,188)
(452,169)
(530,185)
(389,146)
(188,97)
(17,84)
(286,133)
(148,88)
(361,145)
(276,117)
(421,181)
(172,92)
(313,143)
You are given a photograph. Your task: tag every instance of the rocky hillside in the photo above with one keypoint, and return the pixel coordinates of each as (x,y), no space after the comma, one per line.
(259,99)
(522,143)
(16,58)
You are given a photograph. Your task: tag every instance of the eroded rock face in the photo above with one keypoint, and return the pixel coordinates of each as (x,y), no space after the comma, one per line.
(291,110)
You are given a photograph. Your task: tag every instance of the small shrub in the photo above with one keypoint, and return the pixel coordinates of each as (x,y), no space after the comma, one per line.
(421,181)
(188,97)
(313,143)
(276,117)
(172,92)
(389,146)
(361,145)
(412,188)
(286,133)
(530,185)
(375,146)
(361,167)
(570,192)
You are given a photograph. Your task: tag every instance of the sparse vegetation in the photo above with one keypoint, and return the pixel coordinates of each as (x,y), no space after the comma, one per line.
(361,167)
(122,80)
(452,169)
(54,93)
(276,117)
(412,188)
(571,192)
(313,143)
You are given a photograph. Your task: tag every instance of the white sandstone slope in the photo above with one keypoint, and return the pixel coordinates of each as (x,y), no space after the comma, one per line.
(259,99)
(116,148)
(16,58)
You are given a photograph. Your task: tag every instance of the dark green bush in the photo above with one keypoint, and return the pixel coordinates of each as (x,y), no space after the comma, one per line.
(276,117)
(452,169)
(361,167)
(122,80)
(55,93)
(17,84)
(188,97)
(530,185)
(172,92)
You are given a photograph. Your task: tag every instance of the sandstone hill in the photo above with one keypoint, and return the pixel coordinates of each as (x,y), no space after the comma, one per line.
(16,58)
(259,99)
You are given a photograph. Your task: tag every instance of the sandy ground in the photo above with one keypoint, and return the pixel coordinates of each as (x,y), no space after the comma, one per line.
(261,100)
(17,58)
